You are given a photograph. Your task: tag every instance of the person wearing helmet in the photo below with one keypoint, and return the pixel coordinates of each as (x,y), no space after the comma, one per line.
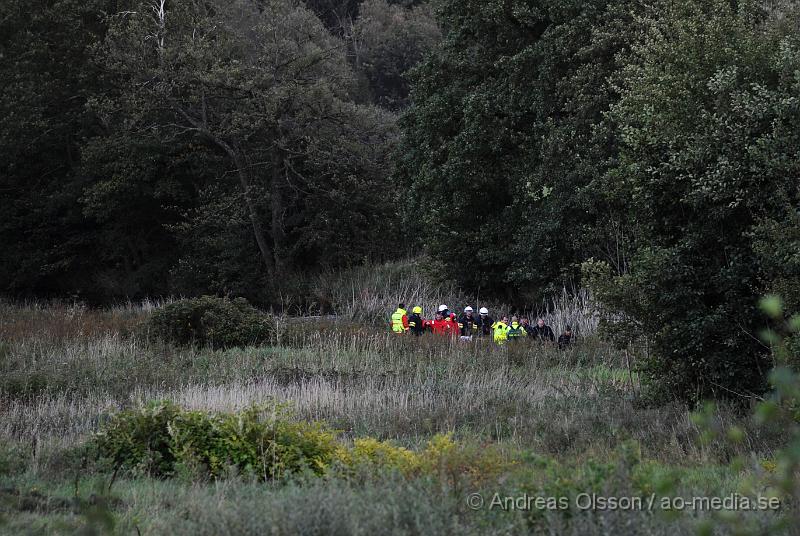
(484,323)
(467,323)
(400,320)
(416,323)
(444,311)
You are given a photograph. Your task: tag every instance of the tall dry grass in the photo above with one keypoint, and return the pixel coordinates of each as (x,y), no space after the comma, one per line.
(370,294)
(62,371)
(59,321)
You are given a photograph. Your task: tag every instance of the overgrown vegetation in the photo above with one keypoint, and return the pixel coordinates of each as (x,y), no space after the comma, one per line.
(654,143)
(210,321)
(649,149)
(264,443)
(629,168)
(163,439)
(397,417)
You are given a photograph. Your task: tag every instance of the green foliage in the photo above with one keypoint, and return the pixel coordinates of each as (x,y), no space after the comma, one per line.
(775,477)
(264,89)
(388,40)
(660,142)
(140,440)
(163,439)
(211,321)
(706,125)
(777,245)
(254,155)
(48,246)
(504,143)
(253,442)
(137,191)
(12,459)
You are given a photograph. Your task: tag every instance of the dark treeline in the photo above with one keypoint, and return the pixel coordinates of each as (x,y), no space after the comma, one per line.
(198,146)
(647,149)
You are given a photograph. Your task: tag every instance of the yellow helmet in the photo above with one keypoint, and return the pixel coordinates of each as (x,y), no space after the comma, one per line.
(417,310)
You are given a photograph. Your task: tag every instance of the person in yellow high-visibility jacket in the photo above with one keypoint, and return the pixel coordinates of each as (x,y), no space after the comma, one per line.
(500,331)
(400,320)
(515,330)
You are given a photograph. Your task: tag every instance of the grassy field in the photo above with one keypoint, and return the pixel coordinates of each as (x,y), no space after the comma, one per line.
(529,422)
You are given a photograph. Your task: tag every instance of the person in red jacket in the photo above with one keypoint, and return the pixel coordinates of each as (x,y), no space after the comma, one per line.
(447,325)
(453,327)
(443,326)
(437,324)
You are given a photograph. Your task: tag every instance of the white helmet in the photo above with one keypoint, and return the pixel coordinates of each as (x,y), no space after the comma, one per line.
(443,308)
(468,309)
(484,311)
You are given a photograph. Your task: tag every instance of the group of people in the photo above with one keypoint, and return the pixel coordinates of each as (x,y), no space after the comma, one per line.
(468,325)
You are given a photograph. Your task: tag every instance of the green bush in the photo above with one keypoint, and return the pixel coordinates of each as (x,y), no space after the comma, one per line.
(211,321)
(704,183)
(776,475)
(163,439)
(139,440)
(252,442)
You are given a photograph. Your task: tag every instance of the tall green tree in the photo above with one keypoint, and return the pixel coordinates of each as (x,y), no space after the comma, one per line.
(709,140)
(135,189)
(387,41)
(44,46)
(505,140)
(265,86)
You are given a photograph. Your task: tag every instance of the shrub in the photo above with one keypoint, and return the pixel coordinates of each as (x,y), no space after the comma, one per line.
(163,439)
(211,321)
(139,440)
(442,457)
(776,477)
(251,442)
(384,455)
(476,464)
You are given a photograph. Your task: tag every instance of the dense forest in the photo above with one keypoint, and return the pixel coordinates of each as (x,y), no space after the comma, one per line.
(157,148)
(647,149)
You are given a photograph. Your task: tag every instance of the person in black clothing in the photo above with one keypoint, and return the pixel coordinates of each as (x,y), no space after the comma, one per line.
(565,339)
(484,323)
(542,332)
(467,323)
(526,325)
(416,323)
